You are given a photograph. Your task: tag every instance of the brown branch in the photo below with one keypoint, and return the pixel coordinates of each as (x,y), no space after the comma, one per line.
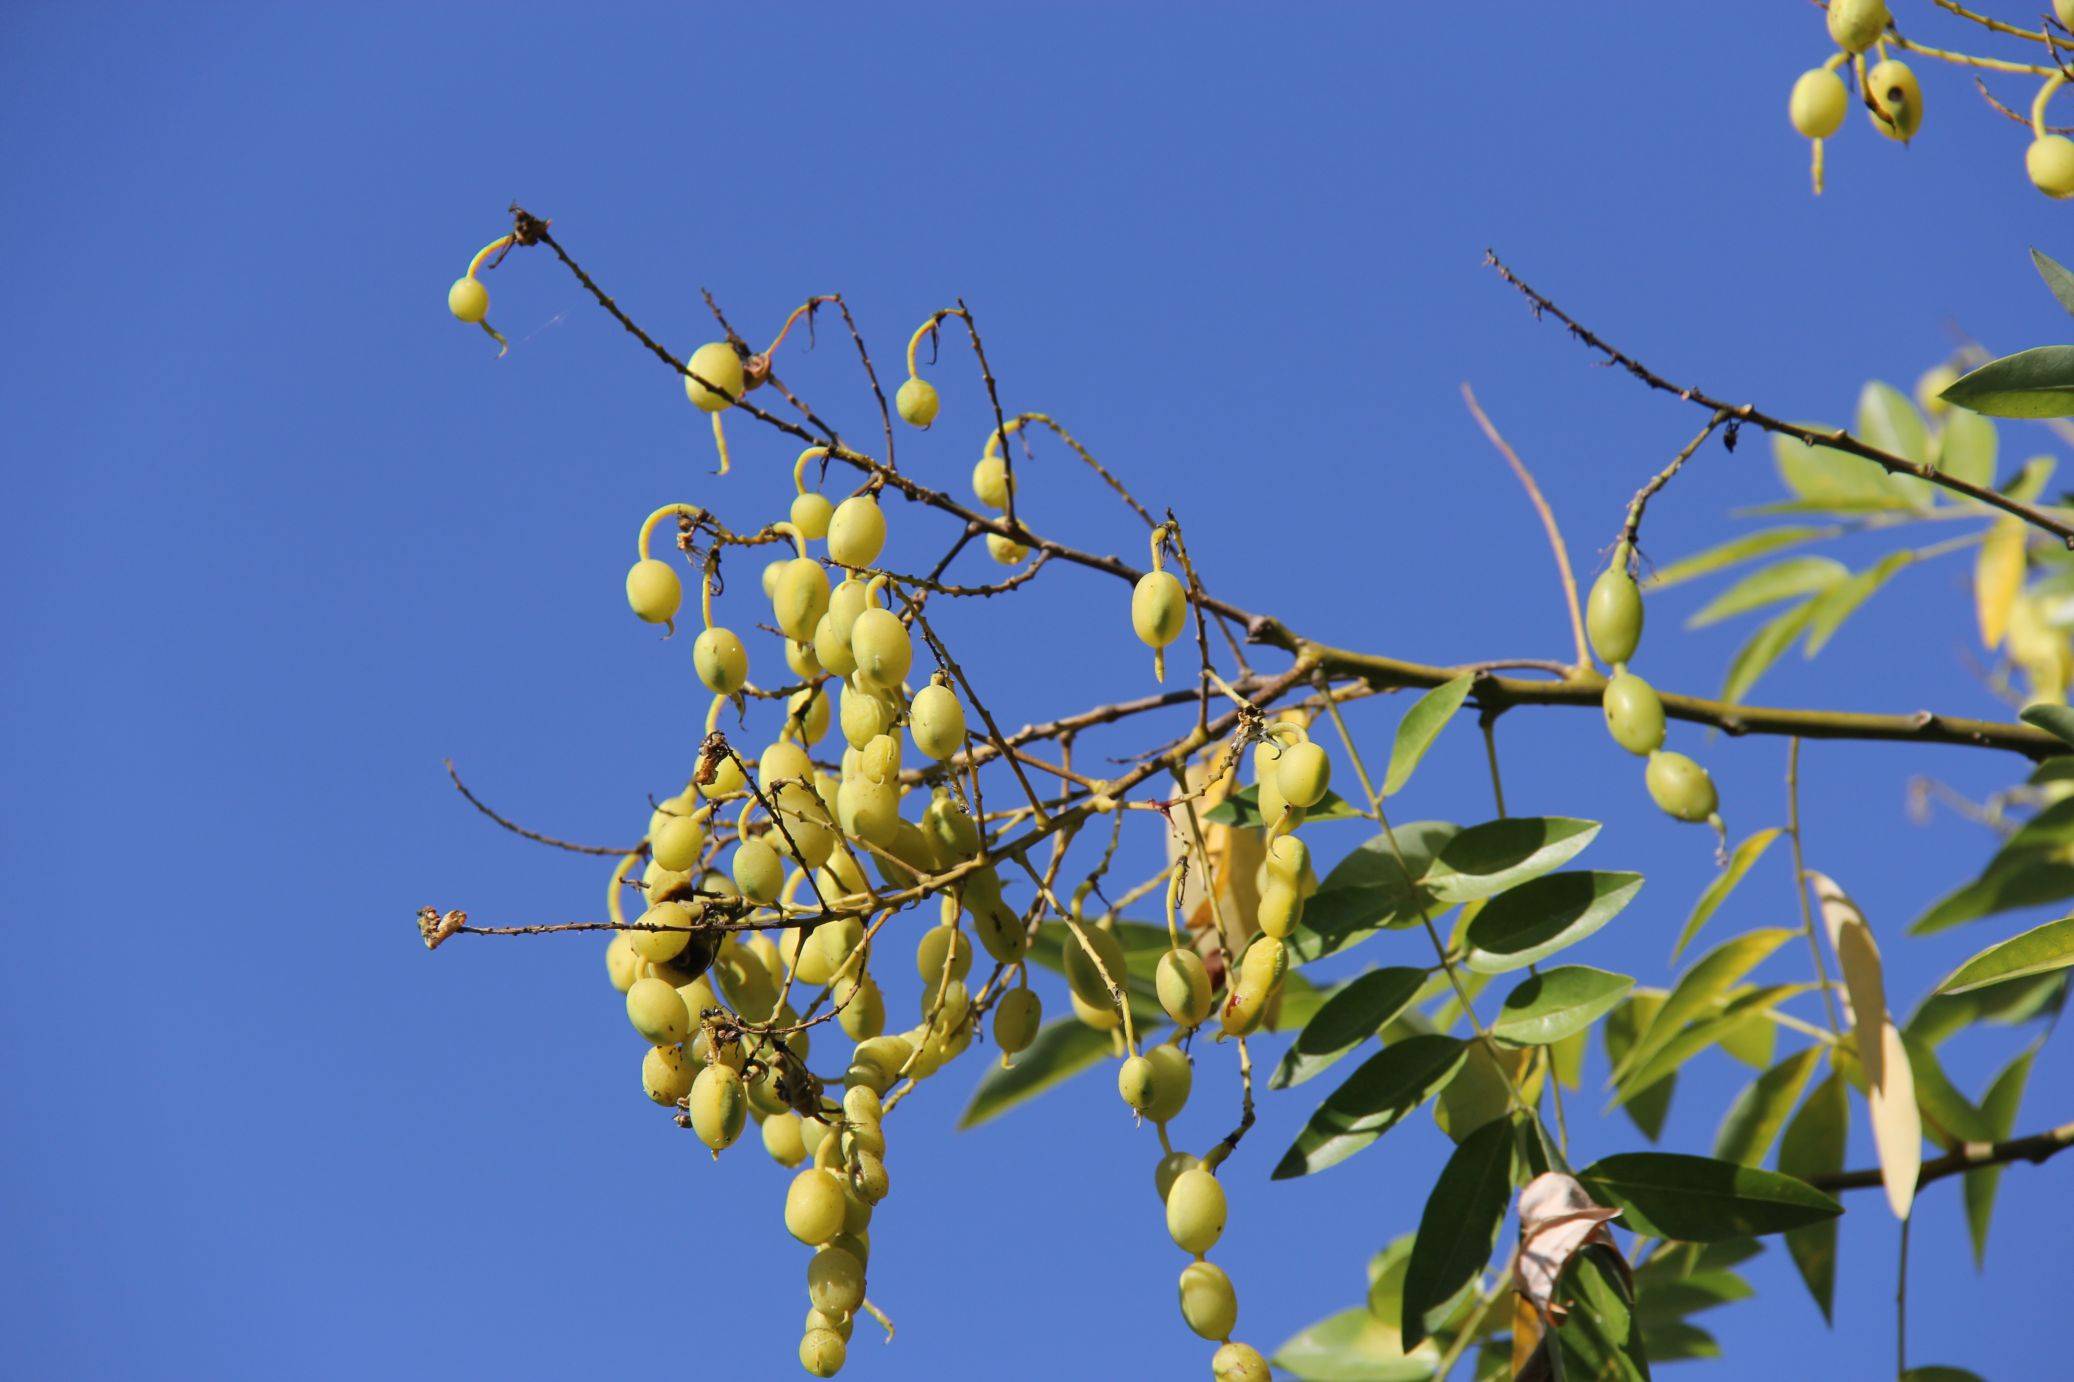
(515,828)
(1548,522)
(1969,1156)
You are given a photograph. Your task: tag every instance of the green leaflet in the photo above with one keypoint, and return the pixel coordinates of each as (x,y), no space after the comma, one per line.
(2053,719)
(2057,279)
(1719,1022)
(1813,1145)
(1459,1227)
(1349,1016)
(1782,580)
(1545,1008)
(1740,862)
(1626,1022)
(1758,1113)
(2006,1005)
(1534,920)
(1369,890)
(1710,977)
(1998,1110)
(1833,480)
(1420,726)
(1764,647)
(1763,542)
(1841,601)
(1889,421)
(1968,446)
(2034,383)
(1384,1088)
(1602,1339)
(2040,950)
(1699,1199)
(1487,859)
(1352,1346)
(1062,1050)
(1242,808)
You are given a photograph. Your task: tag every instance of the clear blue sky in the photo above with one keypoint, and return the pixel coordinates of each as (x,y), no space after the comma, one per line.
(279,536)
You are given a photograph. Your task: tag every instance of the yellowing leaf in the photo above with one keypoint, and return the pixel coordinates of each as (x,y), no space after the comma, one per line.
(1998,574)
(1856,955)
(1897,1124)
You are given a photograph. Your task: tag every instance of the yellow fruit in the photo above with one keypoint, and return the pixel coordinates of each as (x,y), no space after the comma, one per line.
(1818,104)
(622,965)
(654,591)
(719,1105)
(807,712)
(665,1075)
(954,834)
(1173,1078)
(1281,907)
(878,1061)
(468,300)
(801,598)
(937,721)
(1159,608)
(864,715)
(1183,985)
(999,927)
(805,824)
(657,1012)
(942,947)
(1083,976)
(1169,1169)
(1288,859)
(2050,162)
(836,942)
(1136,1081)
(1005,550)
(870,1179)
(1195,1211)
(1930,389)
(840,1324)
(1260,975)
(814,1206)
(1302,774)
(1208,1303)
(1613,614)
(679,842)
(801,659)
(1897,100)
(857,532)
(868,809)
(916,402)
(863,1010)
(1855,24)
(835,1281)
(782,1140)
(663,945)
(810,514)
(727,778)
(717,364)
(879,643)
(1634,713)
(822,1352)
(1237,1362)
(1680,787)
(990,482)
(771,571)
(758,871)
(1016,1018)
(720,660)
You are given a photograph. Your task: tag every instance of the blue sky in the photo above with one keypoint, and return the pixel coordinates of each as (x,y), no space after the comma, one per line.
(280,536)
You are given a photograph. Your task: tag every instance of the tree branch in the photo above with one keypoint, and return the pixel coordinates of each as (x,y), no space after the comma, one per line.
(1970,1156)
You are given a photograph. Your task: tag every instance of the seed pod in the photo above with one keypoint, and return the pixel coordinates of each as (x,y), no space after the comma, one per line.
(717,364)
(622,963)
(814,1206)
(468,300)
(726,780)
(757,871)
(665,1075)
(769,576)
(856,1226)
(782,1140)
(1082,975)
(1208,1303)
(836,941)
(2050,163)
(1103,1018)
(1634,713)
(863,1011)
(801,598)
(719,1105)
(810,514)
(807,712)
(839,1324)
(991,482)
(1236,1362)
(1169,1170)
(1269,794)
(868,809)
(835,1281)
(952,831)
(832,647)
(1159,608)
(1856,24)
(1897,100)
(1288,859)
(879,759)
(1281,907)
(1195,1211)
(1016,1018)
(1818,103)
(679,842)
(1005,550)
(822,1352)
(659,946)
(1681,787)
(1302,774)
(857,532)
(937,721)
(1613,613)
(879,642)
(1260,975)
(720,660)
(653,591)
(1137,1082)
(657,1012)
(1173,1080)
(877,1062)
(870,1180)
(1183,985)
(916,402)
(942,946)
(999,928)
(805,825)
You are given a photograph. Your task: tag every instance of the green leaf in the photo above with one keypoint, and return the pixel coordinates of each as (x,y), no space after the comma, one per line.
(1740,862)
(1534,920)
(1368,890)
(1829,610)
(1763,648)
(2056,720)
(1374,1098)
(1566,1059)
(2007,1005)
(1718,1021)
(1348,1016)
(1547,1007)
(1939,1373)
(1758,1113)
(1833,480)
(1459,1227)
(1062,1050)
(1967,448)
(1750,1039)
(1486,859)
(1889,421)
(1298,1004)
(1699,1199)
(2039,950)
(1709,978)
(1763,542)
(1352,1346)
(2056,278)
(1601,1339)
(1242,808)
(1661,1299)
(1813,1145)
(1998,1111)
(1782,580)
(2034,383)
(1416,731)
(2030,482)
(1626,1022)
